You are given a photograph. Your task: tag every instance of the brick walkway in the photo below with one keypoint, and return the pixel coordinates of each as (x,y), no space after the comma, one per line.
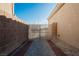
(21,50)
(57,50)
(38,47)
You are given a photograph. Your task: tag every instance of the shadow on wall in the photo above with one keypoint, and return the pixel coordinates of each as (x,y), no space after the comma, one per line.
(12,34)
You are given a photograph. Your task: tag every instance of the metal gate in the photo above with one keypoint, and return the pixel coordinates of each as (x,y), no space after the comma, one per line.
(38,31)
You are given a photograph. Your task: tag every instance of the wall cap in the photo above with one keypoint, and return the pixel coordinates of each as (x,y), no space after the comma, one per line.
(56,9)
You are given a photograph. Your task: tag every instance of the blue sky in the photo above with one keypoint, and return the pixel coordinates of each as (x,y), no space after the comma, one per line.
(34,13)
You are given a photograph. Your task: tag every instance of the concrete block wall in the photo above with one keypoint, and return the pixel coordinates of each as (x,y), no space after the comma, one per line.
(12,34)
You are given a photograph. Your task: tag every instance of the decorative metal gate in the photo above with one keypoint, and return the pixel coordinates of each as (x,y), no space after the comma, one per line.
(38,31)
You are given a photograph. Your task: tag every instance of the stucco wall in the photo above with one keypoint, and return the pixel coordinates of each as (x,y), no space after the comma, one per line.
(67,19)
(7,8)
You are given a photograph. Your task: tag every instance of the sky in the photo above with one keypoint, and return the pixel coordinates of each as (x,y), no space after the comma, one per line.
(34,13)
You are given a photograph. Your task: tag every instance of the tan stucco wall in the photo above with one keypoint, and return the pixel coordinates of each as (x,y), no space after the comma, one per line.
(67,18)
(7,8)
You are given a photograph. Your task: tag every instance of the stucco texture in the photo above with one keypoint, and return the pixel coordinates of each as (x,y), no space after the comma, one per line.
(67,19)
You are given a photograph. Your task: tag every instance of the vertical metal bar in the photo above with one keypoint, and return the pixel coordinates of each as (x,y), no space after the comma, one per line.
(39,31)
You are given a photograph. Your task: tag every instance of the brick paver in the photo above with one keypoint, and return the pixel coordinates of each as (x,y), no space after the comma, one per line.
(20,51)
(40,48)
(56,49)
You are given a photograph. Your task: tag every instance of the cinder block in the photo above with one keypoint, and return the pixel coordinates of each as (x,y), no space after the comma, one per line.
(12,34)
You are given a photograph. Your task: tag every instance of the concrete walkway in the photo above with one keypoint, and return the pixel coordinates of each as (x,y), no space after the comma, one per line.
(39,48)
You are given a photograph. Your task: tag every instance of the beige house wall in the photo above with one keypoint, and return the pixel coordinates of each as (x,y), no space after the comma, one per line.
(7,9)
(67,18)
